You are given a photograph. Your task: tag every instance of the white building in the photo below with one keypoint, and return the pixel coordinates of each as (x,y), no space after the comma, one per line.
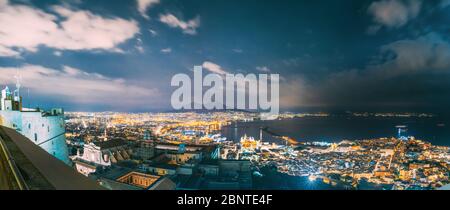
(101,154)
(45,129)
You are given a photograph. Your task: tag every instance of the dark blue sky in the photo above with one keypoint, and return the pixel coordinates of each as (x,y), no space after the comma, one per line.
(364,55)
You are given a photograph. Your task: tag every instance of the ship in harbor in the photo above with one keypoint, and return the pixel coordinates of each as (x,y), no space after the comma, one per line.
(44,128)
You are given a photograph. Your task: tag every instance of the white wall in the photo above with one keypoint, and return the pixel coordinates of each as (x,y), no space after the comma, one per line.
(40,130)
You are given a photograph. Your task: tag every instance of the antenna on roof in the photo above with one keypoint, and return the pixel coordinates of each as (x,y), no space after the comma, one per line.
(28,97)
(18,78)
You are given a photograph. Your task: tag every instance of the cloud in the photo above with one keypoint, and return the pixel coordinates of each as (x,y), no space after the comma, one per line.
(166,50)
(373,29)
(297,92)
(214,68)
(27,28)
(429,52)
(237,50)
(8,52)
(144,5)
(393,13)
(153,32)
(263,69)
(79,87)
(140,48)
(407,73)
(139,45)
(57,53)
(188,27)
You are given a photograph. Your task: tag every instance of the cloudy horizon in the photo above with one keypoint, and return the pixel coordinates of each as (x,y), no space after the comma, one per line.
(120,55)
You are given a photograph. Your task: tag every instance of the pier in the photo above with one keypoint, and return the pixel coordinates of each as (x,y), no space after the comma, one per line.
(287,139)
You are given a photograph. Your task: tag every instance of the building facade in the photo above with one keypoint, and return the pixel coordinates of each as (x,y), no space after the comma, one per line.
(44,128)
(101,155)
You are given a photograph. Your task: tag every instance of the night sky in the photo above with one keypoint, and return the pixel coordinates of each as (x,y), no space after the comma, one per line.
(104,55)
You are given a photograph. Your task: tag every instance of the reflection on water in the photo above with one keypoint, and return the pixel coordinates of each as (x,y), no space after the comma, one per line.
(334,129)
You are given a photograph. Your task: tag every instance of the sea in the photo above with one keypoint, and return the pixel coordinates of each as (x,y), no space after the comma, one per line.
(333,129)
(337,128)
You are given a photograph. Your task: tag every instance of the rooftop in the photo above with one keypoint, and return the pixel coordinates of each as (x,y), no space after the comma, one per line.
(24,165)
(138,179)
(111,143)
(120,178)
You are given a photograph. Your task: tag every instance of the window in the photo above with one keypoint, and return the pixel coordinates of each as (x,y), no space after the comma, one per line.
(48,129)
(35,137)
(29,125)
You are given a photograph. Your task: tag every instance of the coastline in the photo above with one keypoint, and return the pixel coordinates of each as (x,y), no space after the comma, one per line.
(335,129)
